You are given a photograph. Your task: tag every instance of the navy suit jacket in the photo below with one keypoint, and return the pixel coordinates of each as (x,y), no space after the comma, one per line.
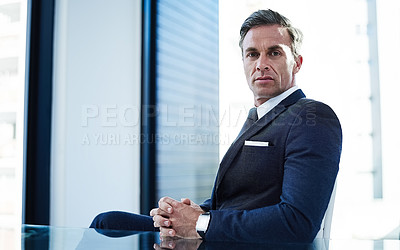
(278,192)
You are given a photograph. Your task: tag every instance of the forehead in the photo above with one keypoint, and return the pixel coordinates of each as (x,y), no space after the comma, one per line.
(266,35)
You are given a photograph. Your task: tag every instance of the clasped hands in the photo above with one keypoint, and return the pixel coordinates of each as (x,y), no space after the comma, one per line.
(177,219)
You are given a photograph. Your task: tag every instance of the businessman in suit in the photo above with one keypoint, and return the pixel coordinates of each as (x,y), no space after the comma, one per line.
(275,181)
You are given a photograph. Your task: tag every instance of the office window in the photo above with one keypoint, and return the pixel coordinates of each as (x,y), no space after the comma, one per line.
(187,98)
(12,72)
(95,106)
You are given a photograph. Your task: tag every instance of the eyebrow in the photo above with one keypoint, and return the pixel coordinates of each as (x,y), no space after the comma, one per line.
(273,47)
(250,49)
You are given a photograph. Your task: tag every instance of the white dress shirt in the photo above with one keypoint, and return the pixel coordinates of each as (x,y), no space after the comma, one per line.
(271,103)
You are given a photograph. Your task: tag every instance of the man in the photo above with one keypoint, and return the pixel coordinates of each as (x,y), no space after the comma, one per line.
(276,179)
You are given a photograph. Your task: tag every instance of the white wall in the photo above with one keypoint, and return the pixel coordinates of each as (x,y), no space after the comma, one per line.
(96,104)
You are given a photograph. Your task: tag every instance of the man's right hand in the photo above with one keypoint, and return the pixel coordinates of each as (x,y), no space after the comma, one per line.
(176,218)
(162,213)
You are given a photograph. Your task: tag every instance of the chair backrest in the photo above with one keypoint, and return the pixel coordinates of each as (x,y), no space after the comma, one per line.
(325,230)
(321,241)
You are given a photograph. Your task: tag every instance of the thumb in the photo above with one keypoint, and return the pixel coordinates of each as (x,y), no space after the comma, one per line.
(186,201)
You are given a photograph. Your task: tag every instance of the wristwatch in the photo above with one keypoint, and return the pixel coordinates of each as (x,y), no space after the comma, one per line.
(202,224)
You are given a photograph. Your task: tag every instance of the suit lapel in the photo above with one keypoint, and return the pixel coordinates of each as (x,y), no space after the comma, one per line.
(260,124)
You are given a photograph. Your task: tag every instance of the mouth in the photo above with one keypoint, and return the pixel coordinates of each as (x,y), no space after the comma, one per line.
(261,78)
(264,79)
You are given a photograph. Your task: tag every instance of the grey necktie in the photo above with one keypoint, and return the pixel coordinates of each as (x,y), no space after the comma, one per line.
(251,119)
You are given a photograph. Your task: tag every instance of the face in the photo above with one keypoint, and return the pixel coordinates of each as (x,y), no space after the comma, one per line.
(269,64)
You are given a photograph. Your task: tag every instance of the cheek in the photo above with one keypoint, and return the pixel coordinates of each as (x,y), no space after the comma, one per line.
(286,70)
(248,70)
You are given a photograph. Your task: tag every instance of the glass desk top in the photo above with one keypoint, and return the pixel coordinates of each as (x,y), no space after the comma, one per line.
(48,237)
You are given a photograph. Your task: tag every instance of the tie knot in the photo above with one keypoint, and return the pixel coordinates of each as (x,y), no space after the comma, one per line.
(253,114)
(251,119)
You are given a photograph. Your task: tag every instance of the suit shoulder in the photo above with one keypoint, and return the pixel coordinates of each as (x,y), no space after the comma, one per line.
(310,105)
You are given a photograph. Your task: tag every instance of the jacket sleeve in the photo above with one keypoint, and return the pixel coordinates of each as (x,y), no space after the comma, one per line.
(312,154)
(206,205)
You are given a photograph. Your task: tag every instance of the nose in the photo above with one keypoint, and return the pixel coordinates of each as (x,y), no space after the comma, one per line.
(263,63)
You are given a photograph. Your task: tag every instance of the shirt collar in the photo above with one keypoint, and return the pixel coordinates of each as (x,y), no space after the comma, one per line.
(271,103)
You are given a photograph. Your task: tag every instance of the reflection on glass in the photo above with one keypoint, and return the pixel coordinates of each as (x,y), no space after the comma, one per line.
(45,237)
(12,68)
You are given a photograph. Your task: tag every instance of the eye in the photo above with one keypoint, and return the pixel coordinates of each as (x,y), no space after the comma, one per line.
(252,54)
(276,53)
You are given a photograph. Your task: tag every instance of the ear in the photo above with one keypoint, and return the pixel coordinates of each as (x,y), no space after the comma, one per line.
(298,61)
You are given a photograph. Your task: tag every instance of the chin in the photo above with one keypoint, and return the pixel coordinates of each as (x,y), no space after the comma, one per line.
(264,94)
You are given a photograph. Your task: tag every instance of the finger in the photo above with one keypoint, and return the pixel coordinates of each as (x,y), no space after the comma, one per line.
(167,232)
(159,211)
(186,201)
(157,247)
(160,221)
(167,242)
(167,204)
(153,211)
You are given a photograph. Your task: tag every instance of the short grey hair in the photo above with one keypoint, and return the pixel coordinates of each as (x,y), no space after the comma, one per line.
(270,17)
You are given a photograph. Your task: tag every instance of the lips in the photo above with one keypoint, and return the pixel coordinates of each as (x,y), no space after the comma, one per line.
(264,80)
(261,78)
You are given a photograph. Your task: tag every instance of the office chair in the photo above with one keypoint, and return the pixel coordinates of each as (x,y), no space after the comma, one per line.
(323,235)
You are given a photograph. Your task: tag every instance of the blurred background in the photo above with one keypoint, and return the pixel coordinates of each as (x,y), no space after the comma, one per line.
(200,101)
